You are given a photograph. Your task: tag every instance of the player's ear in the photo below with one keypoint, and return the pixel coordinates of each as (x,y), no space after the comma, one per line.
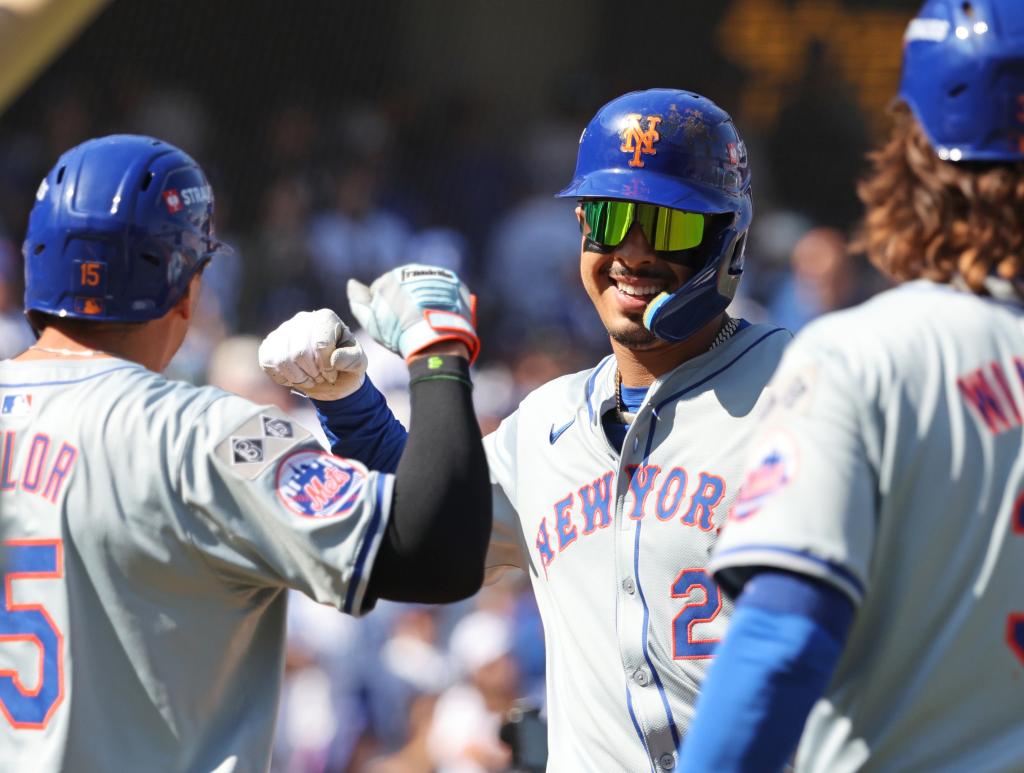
(186,305)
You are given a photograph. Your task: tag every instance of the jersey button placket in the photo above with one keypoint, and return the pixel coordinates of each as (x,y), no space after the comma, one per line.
(641,677)
(629,586)
(666,761)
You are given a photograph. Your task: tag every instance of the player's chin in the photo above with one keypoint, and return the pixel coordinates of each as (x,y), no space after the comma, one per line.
(633,335)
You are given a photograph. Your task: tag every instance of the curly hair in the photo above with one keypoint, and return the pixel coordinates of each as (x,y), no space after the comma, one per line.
(933,219)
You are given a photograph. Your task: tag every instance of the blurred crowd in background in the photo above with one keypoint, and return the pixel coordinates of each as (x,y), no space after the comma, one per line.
(332,197)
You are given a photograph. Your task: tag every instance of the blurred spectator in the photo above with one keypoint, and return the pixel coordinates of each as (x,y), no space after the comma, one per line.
(532,277)
(825,277)
(538,362)
(324,715)
(418,671)
(773,235)
(412,653)
(818,144)
(444,247)
(173,114)
(494,395)
(279,279)
(224,278)
(291,139)
(464,156)
(355,238)
(414,755)
(464,736)
(15,333)
(528,643)
(234,367)
(67,121)
(206,331)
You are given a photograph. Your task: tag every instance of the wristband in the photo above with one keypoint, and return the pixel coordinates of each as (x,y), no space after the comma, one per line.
(440,367)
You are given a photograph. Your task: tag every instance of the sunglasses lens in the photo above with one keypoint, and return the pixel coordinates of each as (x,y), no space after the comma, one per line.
(609,221)
(670,229)
(667,230)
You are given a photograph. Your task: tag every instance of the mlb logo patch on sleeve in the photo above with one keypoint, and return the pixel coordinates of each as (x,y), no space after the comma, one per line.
(315,484)
(18,404)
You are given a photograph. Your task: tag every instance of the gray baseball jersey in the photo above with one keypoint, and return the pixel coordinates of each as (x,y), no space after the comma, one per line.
(616,546)
(891,465)
(150,529)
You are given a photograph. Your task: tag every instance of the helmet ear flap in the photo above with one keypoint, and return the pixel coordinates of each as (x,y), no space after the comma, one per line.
(730,269)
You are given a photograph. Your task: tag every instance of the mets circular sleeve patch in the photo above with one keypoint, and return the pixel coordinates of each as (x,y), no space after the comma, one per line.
(315,484)
(776,463)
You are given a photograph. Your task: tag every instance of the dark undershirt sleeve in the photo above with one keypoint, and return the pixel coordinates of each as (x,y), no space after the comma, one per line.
(440,524)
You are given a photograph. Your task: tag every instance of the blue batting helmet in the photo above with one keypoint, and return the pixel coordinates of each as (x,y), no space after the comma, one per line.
(675,149)
(963,77)
(120,226)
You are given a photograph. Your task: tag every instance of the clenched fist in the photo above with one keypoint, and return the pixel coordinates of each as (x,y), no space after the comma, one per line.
(315,353)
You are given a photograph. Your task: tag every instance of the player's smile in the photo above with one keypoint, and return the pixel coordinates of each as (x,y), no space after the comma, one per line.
(621,283)
(634,290)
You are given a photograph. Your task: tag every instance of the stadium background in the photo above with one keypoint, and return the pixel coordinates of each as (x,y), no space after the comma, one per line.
(345,138)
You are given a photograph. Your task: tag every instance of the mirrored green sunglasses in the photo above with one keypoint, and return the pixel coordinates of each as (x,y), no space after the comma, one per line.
(667,230)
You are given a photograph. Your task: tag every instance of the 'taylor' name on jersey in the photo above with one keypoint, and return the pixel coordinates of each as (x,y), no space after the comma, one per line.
(42,474)
(589,509)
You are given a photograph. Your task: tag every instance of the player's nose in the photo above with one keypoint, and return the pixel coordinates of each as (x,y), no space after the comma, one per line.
(635,248)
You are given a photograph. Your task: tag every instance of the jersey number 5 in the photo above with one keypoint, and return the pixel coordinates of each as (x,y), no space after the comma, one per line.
(685,645)
(30,707)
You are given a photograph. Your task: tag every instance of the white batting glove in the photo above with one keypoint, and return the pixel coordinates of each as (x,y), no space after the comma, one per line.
(315,353)
(415,306)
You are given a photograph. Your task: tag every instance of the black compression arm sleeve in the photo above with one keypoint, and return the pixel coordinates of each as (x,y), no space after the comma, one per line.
(440,525)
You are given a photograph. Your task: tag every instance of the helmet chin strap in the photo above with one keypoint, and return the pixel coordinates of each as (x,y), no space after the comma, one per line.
(656,303)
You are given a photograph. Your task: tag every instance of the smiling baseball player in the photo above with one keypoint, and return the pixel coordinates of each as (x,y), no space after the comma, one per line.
(889,474)
(610,485)
(151,528)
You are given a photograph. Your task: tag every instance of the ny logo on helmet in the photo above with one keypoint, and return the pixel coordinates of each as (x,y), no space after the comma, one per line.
(637,140)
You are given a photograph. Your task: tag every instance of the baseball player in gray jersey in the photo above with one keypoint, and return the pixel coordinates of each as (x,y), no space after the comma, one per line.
(878,539)
(151,528)
(610,485)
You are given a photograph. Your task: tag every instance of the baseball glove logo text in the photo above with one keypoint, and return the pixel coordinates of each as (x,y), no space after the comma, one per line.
(637,140)
(315,484)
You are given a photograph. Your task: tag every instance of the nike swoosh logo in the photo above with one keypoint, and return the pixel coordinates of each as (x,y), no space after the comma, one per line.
(557,433)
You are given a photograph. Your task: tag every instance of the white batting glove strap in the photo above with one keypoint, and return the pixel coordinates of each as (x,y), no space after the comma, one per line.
(315,353)
(415,306)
